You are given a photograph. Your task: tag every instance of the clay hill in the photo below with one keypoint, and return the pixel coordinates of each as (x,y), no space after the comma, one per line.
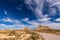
(26,33)
(43,27)
(47,29)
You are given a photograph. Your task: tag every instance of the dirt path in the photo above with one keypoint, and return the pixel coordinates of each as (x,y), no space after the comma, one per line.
(47,36)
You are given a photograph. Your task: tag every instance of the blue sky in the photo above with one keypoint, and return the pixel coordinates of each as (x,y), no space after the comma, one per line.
(16,14)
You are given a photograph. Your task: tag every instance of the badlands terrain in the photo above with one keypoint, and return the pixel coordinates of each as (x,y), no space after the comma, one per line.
(40,33)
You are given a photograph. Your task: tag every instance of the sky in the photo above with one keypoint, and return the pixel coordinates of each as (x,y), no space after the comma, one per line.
(17,14)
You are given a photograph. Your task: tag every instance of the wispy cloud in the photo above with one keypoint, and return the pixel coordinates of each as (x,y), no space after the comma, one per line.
(56,3)
(44,19)
(38,7)
(16,23)
(6,19)
(19,8)
(5,12)
(52,25)
(45,22)
(39,4)
(36,23)
(37,10)
(25,19)
(14,26)
(52,11)
(58,19)
(33,23)
(7,26)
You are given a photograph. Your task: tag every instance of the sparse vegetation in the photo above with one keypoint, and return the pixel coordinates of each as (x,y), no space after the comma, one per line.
(26,33)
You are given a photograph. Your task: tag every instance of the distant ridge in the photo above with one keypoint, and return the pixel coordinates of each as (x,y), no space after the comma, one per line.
(43,27)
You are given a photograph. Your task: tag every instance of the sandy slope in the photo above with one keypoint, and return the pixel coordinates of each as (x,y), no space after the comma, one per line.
(47,36)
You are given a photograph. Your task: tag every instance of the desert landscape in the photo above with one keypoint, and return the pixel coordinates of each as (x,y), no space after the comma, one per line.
(29,19)
(40,33)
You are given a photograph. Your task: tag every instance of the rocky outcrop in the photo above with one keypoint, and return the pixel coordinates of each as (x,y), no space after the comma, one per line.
(43,27)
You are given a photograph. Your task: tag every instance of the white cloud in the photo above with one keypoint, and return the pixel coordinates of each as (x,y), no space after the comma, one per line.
(34,23)
(6,19)
(21,25)
(38,9)
(28,2)
(52,25)
(18,8)
(25,19)
(53,11)
(58,19)
(56,3)
(44,19)
(14,26)
(38,13)
(45,22)
(16,23)
(49,0)
(7,26)
(5,12)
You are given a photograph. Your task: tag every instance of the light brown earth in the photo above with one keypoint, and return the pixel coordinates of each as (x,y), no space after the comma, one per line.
(48,36)
(26,34)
